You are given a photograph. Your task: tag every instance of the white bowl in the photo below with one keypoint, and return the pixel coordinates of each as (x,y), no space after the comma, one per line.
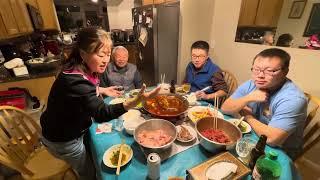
(131,125)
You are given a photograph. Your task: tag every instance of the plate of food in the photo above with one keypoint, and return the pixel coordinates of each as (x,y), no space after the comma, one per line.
(243,126)
(185,133)
(197,112)
(111,156)
(117,100)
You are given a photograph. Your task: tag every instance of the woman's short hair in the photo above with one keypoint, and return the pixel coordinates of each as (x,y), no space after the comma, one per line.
(89,40)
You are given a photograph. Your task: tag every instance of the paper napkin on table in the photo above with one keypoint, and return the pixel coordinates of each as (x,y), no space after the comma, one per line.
(104,128)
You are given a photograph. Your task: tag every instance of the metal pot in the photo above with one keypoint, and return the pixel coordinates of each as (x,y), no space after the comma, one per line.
(184,108)
(230,129)
(157,124)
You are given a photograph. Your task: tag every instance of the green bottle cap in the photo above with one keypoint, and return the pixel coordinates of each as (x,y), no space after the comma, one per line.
(273,155)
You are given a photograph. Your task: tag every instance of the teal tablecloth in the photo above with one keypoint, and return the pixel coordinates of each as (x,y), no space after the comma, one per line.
(174,166)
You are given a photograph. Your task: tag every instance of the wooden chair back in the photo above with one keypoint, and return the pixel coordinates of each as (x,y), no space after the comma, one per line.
(311,134)
(19,138)
(231,81)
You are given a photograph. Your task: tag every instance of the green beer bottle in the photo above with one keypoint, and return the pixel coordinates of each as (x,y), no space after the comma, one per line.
(267,167)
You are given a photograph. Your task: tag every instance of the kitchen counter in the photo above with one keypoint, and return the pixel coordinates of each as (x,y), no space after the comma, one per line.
(38,83)
(32,75)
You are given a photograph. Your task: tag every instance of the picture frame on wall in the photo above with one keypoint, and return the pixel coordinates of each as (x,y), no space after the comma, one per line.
(297,9)
(313,25)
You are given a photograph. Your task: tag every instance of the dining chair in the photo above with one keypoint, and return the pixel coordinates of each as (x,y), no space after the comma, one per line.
(21,149)
(231,82)
(311,132)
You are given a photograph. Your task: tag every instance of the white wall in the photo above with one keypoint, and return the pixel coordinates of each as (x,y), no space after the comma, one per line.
(295,27)
(119,14)
(195,24)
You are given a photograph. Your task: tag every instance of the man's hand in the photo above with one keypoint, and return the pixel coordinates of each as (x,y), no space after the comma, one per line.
(110,91)
(201,95)
(258,96)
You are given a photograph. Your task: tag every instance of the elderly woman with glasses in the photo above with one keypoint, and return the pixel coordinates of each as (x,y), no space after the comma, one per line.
(271,103)
(201,72)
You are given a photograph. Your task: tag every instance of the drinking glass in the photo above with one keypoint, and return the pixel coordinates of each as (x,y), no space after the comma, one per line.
(118,124)
(244,147)
(186,87)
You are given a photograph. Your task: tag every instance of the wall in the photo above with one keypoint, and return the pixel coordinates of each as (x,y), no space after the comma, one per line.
(195,24)
(295,27)
(119,14)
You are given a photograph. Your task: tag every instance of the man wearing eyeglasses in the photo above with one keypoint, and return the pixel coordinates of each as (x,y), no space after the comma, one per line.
(201,72)
(271,103)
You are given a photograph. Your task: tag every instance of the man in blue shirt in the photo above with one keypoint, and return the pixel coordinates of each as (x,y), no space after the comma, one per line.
(271,103)
(201,72)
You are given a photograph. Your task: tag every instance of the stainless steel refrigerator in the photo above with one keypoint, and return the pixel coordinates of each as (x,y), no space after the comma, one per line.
(159,53)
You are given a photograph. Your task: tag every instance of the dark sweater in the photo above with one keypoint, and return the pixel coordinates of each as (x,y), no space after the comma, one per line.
(72,102)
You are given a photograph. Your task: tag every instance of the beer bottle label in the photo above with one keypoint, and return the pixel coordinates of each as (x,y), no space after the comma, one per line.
(255,174)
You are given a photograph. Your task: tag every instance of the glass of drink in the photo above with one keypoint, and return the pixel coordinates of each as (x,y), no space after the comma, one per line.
(118,124)
(186,87)
(244,147)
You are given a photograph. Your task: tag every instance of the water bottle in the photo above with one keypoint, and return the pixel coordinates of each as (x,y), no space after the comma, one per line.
(267,167)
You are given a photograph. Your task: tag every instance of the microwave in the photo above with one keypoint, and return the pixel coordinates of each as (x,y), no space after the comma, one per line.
(35,17)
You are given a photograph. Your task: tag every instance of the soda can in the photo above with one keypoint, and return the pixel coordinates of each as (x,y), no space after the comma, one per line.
(153,161)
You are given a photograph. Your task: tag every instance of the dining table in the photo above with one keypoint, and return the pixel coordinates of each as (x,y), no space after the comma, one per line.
(175,166)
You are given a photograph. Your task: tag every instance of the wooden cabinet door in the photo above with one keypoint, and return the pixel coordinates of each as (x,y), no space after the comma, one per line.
(3,32)
(268,13)
(18,15)
(248,12)
(8,18)
(48,14)
(25,15)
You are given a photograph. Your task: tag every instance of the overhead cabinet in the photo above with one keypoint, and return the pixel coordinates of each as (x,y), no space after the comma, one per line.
(263,13)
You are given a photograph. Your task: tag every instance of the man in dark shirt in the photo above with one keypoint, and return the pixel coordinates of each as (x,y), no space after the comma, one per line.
(201,72)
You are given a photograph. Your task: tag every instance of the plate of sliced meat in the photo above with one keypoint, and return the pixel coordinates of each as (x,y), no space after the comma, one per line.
(185,133)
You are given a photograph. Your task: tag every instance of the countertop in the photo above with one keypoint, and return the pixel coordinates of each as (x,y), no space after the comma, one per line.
(32,75)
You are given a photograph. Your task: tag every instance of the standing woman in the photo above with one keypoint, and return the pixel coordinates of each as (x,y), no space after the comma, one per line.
(74,101)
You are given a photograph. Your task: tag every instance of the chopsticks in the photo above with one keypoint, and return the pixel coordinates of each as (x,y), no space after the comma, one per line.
(120,156)
(216,107)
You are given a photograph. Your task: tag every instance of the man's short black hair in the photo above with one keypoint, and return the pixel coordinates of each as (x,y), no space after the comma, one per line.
(200,45)
(276,52)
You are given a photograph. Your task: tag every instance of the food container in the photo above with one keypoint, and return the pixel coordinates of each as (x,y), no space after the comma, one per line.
(157,124)
(230,130)
(183,106)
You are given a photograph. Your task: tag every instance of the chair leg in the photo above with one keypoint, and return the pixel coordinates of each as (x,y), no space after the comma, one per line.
(70,174)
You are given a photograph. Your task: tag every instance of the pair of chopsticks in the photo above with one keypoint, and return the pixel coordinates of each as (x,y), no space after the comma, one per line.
(162,78)
(120,155)
(215,116)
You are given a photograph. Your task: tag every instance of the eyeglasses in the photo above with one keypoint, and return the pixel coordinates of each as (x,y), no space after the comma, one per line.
(193,56)
(268,72)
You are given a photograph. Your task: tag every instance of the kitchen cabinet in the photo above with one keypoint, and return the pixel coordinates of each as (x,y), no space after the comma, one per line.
(6,15)
(21,16)
(14,19)
(3,31)
(48,14)
(32,2)
(148,2)
(263,13)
